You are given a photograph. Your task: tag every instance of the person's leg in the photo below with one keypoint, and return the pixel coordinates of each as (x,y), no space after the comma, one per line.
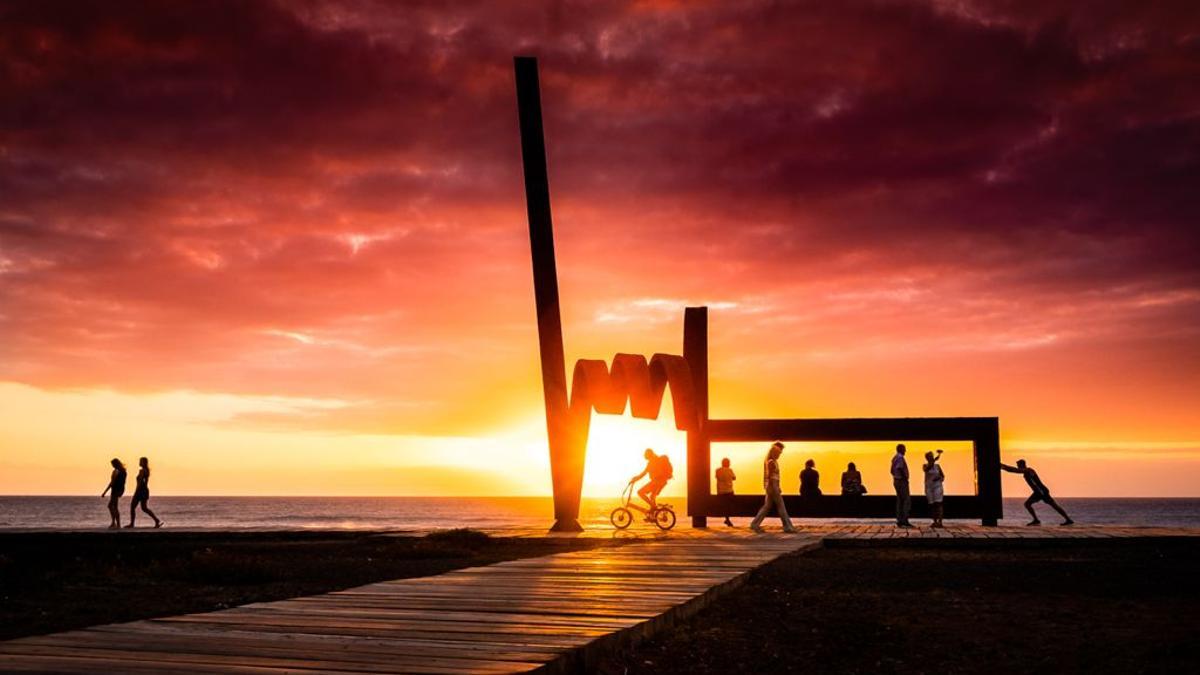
(644,493)
(114,507)
(146,509)
(1054,505)
(727,507)
(899,503)
(903,502)
(132,512)
(901,499)
(781,508)
(907,504)
(1033,499)
(762,514)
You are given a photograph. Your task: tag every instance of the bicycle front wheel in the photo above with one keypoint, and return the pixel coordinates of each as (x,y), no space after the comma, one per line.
(621,518)
(664,519)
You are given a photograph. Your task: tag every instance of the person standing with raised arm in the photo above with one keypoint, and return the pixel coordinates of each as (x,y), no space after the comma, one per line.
(934,487)
(774,495)
(1041,493)
(900,482)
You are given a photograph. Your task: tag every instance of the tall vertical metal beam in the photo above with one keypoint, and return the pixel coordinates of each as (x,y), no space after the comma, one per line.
(699,455)
(566,450)
(987,475)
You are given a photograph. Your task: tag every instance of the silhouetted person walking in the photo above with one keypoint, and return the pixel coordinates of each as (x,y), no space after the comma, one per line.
(900,481)
(852,485)
(934,490)
(141,494)
(774,496)
(725,478)
(116,486)
(810,480)
(1041,493)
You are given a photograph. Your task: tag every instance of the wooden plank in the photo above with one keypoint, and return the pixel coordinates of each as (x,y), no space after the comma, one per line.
(556,613)
(170,659)
(324,641)
(288,645)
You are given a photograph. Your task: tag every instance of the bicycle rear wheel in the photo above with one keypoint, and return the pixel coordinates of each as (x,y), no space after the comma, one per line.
(664,519)
(621,517)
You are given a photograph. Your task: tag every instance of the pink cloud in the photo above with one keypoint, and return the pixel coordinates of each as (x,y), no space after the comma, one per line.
(186,186)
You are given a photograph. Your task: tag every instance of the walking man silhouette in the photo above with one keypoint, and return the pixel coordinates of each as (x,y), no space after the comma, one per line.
(900,481)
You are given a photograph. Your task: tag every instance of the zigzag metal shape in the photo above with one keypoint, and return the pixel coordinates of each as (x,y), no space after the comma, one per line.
(595,386)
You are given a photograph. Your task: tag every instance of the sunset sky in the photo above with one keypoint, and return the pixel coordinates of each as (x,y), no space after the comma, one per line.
(282,248)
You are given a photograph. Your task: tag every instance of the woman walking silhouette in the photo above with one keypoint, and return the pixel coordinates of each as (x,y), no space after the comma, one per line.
(116,485)
(141,494)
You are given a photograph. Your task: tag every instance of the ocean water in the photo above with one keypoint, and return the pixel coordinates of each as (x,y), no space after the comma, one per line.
(427,513)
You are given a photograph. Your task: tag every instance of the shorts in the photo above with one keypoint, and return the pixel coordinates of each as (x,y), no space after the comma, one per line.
(1040,497)
(656,486)
(140,498)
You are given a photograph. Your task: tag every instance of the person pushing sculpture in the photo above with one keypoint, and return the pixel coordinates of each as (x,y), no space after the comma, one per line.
(1041,493)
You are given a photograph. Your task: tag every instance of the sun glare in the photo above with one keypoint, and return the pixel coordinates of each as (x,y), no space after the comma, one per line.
(615,447)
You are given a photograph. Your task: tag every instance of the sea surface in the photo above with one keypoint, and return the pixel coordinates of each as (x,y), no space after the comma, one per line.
(428,513)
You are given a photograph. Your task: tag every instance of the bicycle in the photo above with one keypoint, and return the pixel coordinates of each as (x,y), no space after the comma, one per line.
(662,515)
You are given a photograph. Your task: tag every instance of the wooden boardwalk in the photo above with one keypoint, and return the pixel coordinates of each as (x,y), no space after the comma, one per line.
(557,613)
(879,531)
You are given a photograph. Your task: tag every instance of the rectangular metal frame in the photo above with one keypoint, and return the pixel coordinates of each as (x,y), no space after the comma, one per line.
(983,432)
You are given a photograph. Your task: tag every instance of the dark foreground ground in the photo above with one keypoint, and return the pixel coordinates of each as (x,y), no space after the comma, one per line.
(59,581)
(1058,608)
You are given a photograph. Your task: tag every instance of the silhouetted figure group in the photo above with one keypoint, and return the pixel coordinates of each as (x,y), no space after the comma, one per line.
(141,493)
(852,487)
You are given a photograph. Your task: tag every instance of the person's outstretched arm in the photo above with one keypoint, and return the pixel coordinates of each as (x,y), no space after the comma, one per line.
(106,489)
(640,475)
(1010,469)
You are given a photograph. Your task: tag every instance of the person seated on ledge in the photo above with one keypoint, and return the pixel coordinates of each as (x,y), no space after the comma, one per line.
(658,467)
(852,482)
(1041,493)
(810,480)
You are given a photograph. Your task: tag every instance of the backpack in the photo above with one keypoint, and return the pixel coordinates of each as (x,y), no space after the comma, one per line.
(663,469)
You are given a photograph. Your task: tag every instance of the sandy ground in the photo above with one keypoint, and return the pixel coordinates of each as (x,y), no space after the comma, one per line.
(1120,607)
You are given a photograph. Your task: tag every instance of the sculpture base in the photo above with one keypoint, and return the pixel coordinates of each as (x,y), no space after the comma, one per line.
(569,525)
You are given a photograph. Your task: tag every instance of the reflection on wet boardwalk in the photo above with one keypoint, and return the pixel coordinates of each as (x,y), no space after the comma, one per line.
(558,612)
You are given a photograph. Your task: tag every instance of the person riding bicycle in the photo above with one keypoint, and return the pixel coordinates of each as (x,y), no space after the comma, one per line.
(658,468)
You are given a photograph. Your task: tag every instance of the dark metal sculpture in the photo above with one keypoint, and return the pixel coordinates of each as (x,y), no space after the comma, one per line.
(633,381)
